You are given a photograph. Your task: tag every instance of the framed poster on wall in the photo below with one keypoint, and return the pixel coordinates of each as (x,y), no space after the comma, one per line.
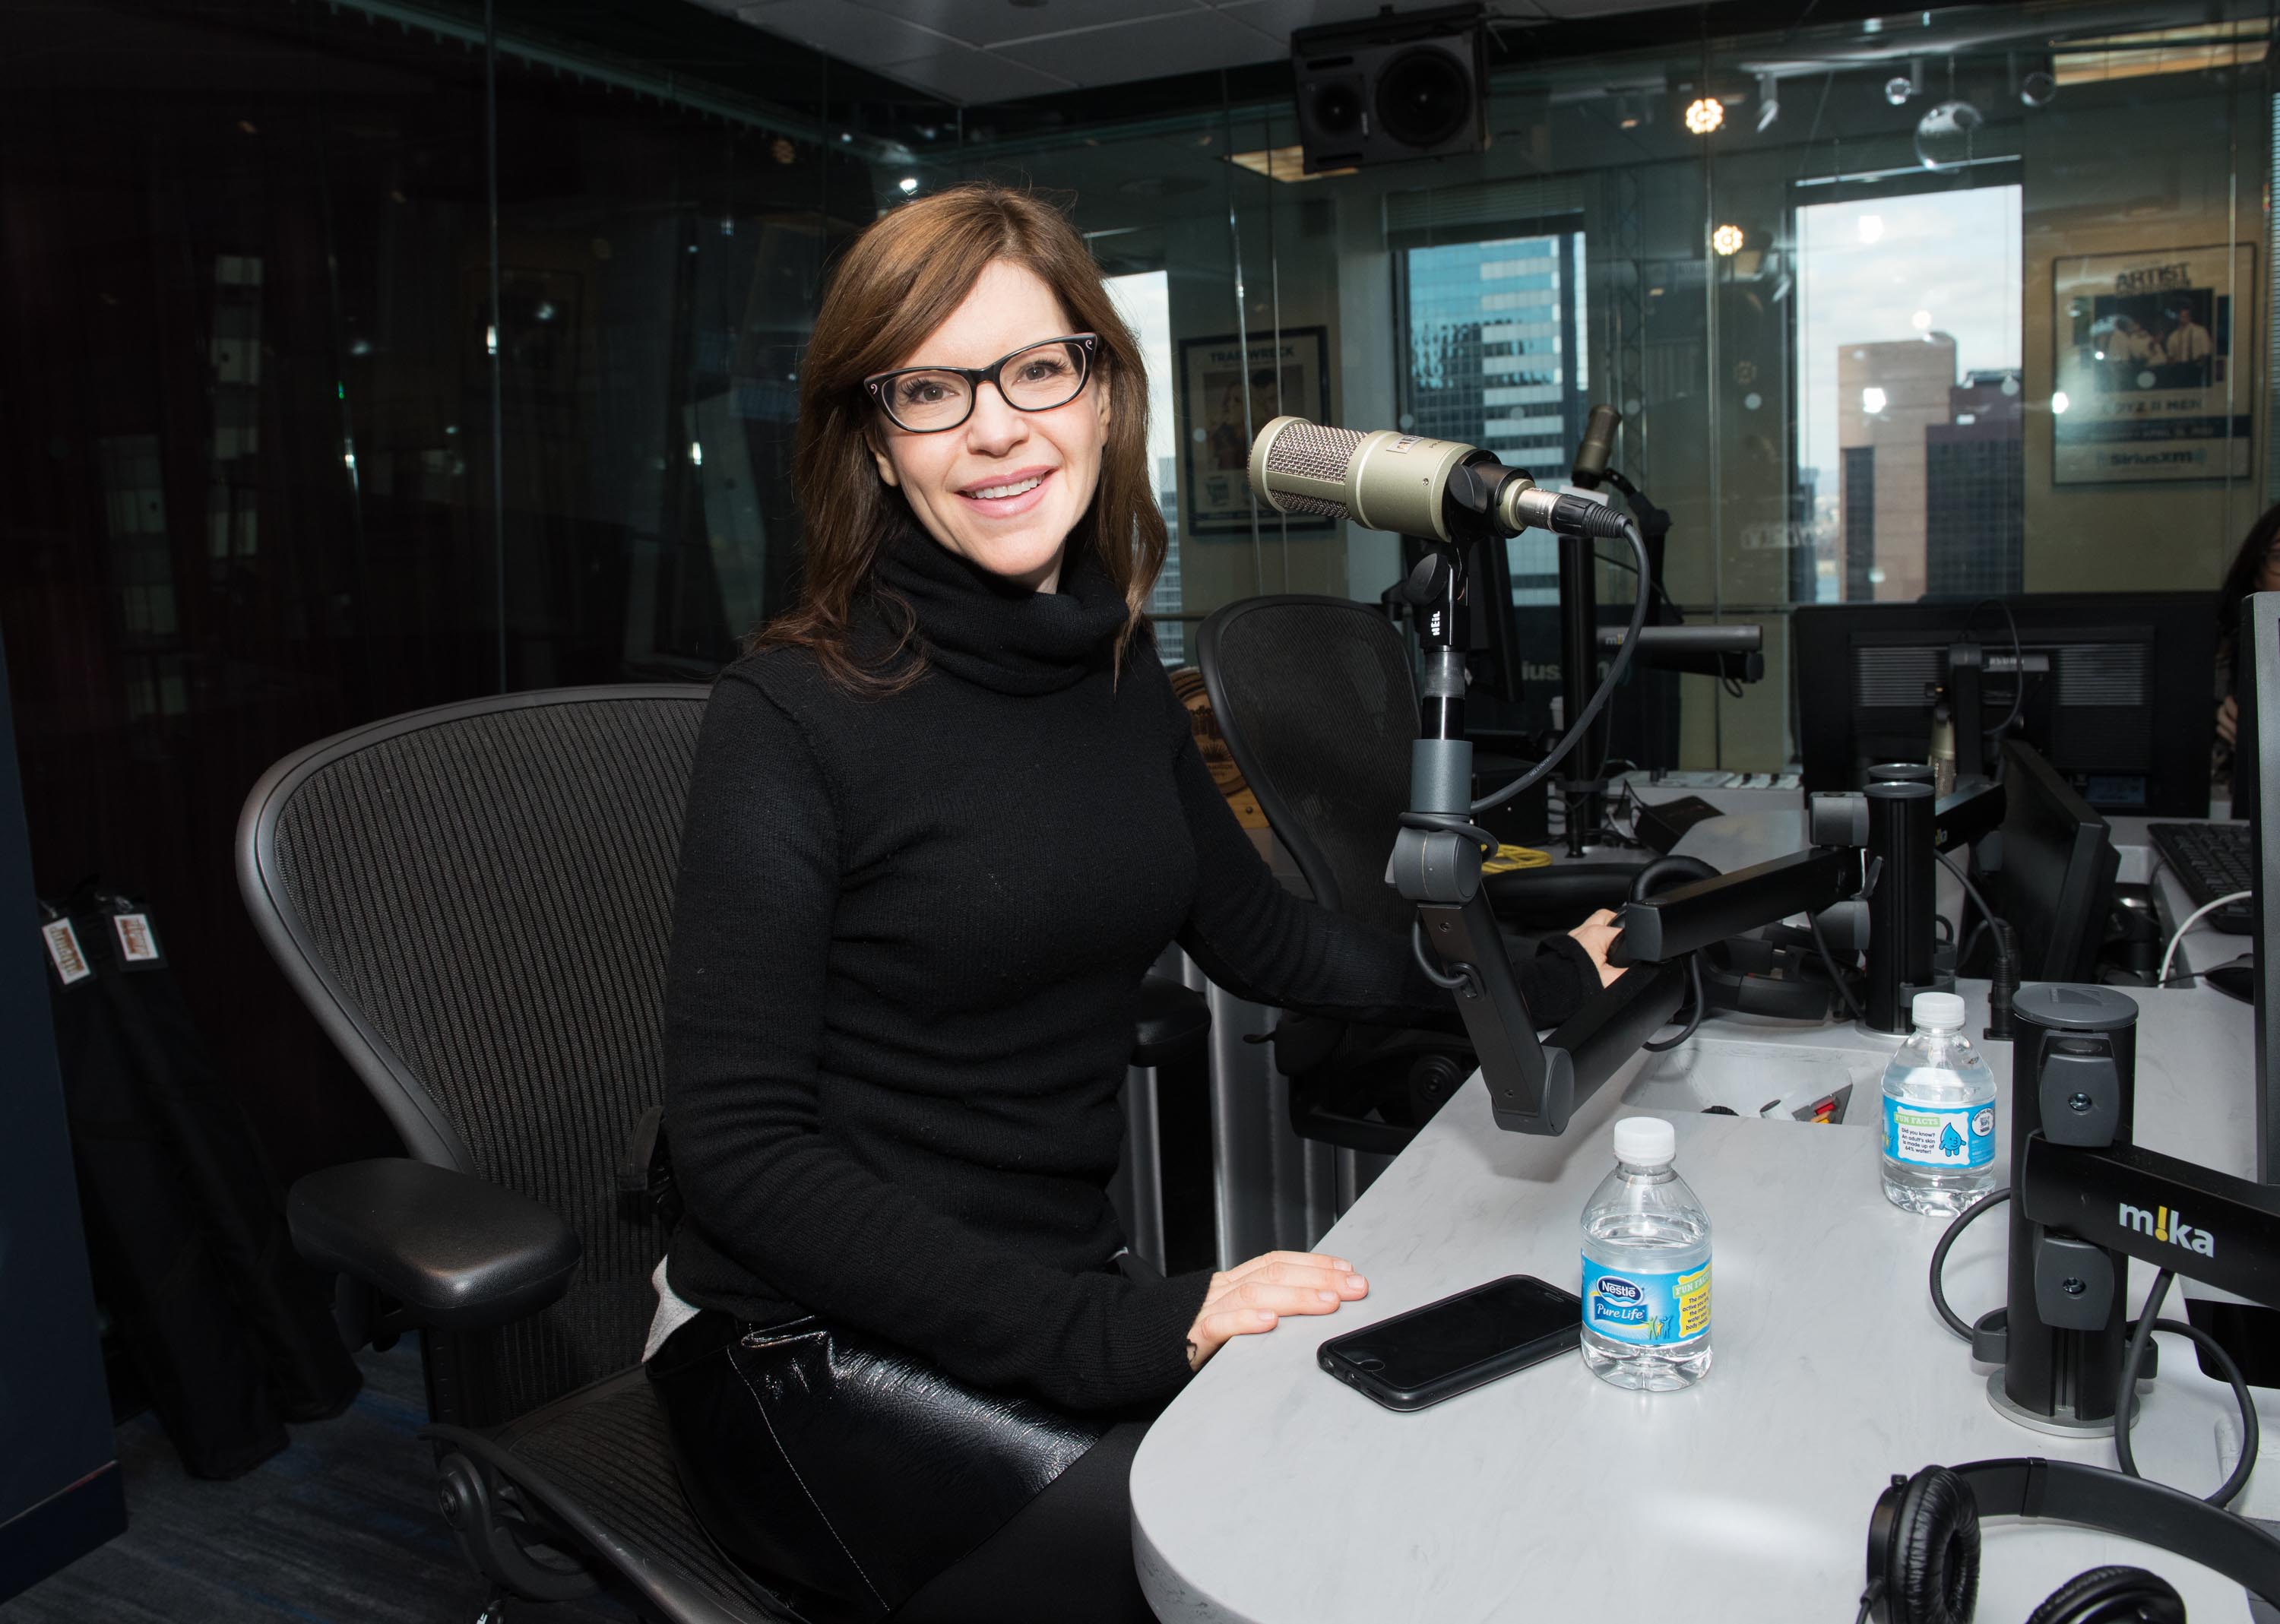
(1277,375)
(2155,366)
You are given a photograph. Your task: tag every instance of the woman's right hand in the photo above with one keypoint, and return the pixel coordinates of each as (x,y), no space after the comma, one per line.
(1597,934)
(1253,1296)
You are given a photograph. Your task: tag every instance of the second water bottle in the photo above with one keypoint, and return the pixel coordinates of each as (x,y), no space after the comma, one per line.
(1939,1115)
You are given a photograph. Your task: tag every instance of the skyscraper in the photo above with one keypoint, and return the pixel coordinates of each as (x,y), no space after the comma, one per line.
(1493,357)
(1975,483)
(1887,396)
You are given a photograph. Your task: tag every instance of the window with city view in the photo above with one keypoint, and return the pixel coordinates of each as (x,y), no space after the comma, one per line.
(1910,415)
(1145,300)
(1488,331)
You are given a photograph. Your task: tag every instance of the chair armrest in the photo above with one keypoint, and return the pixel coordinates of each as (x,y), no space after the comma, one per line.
(459,1253)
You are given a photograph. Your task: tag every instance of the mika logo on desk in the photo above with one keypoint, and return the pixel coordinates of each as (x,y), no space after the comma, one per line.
(2163,1224)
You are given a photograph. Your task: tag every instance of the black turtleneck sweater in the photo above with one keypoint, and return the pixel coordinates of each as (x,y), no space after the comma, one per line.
(907,948)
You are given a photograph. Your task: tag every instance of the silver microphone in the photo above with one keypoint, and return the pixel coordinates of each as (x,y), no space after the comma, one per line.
(1382,481)
(1406,483)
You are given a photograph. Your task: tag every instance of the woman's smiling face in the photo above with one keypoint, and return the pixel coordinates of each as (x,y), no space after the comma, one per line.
(1004,488)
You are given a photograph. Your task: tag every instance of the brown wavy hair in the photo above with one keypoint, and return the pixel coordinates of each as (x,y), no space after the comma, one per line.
(894,285)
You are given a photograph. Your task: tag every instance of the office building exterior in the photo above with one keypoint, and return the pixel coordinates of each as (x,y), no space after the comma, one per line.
(1974,478)
(1492,358)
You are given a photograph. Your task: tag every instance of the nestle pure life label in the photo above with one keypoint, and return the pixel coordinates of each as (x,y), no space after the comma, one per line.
(1648,1309)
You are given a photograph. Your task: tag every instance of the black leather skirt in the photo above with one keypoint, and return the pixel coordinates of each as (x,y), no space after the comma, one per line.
(842,1471)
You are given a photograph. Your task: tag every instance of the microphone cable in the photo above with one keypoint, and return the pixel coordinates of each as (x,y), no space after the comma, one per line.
(1580,725)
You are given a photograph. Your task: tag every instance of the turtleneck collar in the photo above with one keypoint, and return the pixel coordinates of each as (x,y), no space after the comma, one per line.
(997,634)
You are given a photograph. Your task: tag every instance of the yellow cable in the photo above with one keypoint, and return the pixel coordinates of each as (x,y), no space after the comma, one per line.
(1511,858)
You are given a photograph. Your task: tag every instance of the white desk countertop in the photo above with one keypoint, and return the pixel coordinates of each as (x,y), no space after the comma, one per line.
(1270,1492)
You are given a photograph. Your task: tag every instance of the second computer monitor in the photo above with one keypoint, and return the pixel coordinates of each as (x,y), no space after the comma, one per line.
(2260,723)
(2122,703)
(2055,879)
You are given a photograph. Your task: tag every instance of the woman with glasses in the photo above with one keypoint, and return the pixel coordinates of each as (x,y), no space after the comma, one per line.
(943,818)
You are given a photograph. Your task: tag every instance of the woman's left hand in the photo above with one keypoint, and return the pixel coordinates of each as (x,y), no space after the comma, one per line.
(1598,934)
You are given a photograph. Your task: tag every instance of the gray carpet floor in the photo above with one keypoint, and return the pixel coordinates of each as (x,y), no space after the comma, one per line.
(341,1528)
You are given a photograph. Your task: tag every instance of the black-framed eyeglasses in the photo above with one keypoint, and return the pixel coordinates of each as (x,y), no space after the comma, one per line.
(925,400)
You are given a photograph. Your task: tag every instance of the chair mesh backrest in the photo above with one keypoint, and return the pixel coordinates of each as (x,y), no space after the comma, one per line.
(1318,705)
(492,894)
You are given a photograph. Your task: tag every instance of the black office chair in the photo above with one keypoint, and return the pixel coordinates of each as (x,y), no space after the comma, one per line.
(1318,704)
(475,902)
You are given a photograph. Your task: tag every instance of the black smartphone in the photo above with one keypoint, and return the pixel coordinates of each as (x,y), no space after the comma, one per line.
(1451,1346)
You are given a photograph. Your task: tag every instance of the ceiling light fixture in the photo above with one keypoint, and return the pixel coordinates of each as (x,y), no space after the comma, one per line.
(909,184)
(1946,135)
(1872,400)
(1726,240)
(1704,114)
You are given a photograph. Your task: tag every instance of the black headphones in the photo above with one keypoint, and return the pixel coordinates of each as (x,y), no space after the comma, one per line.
(1923,1541)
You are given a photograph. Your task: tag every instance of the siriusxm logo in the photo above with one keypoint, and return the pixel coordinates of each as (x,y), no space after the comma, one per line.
(2163,1224)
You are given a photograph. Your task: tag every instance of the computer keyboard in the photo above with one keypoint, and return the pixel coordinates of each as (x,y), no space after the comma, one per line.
(2210,860)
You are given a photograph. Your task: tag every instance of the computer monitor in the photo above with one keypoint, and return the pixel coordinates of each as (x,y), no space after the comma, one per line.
(2251,1334)
(2260,697)
(2122,705)
(2054,879)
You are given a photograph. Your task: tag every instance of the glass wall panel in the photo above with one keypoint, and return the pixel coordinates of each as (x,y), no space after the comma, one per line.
(241,426)
(1967,303)
(658,266)
(256,496)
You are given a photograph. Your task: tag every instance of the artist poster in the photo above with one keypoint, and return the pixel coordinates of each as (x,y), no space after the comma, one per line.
(2155,366)
(1228,393)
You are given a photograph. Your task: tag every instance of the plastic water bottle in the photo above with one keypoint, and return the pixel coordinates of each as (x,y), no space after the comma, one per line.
(1939,1115)
(1646,1266)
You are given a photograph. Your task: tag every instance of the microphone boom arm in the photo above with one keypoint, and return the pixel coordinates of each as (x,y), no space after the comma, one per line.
(1535,1084)
(2115,1195)
(1534,1088)
(1446,494)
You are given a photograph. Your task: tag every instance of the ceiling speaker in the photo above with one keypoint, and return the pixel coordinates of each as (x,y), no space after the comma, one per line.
(1391,88)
